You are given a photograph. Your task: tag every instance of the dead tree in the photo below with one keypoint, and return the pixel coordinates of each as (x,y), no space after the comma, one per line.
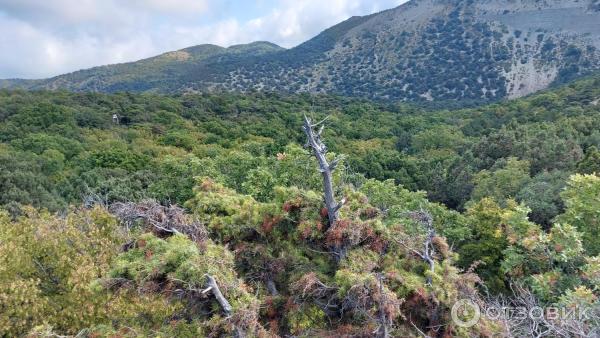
(428,252)
(319,149)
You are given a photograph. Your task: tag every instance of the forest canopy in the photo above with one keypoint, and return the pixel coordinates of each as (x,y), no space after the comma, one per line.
(203,214)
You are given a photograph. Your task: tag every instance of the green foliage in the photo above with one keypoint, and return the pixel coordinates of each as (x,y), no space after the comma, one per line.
(259,183)
(582,209)
(592,272)
(438,137)
(398,201)
(502,183)
(306,319)
(590,163)
(225,212)
(179,262)
(48,268)
(23,180)
(234,163)
(542,195)
(545,262)
(485,250)
(164,142)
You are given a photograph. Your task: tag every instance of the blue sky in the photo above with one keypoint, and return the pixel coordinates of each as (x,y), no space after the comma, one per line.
(43,38)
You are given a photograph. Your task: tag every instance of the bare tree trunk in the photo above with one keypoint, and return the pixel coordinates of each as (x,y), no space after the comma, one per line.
(428,251)
(384,330)
(320,151)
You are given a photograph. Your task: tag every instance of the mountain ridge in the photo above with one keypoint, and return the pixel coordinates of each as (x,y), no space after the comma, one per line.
(423,50)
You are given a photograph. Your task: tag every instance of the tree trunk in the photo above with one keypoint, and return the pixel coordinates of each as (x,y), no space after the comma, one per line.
(384,330)
(320,151)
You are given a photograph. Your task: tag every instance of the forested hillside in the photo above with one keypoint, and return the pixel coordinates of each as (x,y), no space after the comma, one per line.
(203,215)
(463,51)
(62,147)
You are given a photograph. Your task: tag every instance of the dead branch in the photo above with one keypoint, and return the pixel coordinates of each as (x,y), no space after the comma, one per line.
(310,288)
(520,322)
(428,252)
(161,220)
(213,287)
(271,287)
(372,301)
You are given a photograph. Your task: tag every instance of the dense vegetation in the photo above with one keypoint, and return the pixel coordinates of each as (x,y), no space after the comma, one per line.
(59,148)
(510,190)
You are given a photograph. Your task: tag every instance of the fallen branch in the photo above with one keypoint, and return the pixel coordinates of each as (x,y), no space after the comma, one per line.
(214,288)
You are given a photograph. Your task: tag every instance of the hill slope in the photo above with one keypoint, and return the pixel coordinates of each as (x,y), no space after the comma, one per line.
(159,73)
(423,50)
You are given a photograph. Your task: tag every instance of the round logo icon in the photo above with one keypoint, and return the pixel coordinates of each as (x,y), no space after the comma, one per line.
(465,313)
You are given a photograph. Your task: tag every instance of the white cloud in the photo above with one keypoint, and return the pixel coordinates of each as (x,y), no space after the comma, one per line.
(290,23)
(31,53)
(190,7)
(293,22)
(86,11)
(57,13)
(42,38)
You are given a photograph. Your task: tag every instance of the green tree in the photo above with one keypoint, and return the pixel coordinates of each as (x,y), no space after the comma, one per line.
(582,209)
(503,182)
(590,163)
(548,263)
(542,195)
(484,251)
(50,281)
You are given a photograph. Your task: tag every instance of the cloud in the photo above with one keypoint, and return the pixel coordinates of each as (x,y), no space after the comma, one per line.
(57,13)
(32,53)
(292,22)
(189,7)
(48,38)
(289,23)
(94,11)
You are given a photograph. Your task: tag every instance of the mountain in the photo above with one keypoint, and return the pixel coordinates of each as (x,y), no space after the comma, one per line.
(424,50)
(152,74)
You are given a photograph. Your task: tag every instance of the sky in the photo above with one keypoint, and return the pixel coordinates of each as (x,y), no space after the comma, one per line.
(44,38)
